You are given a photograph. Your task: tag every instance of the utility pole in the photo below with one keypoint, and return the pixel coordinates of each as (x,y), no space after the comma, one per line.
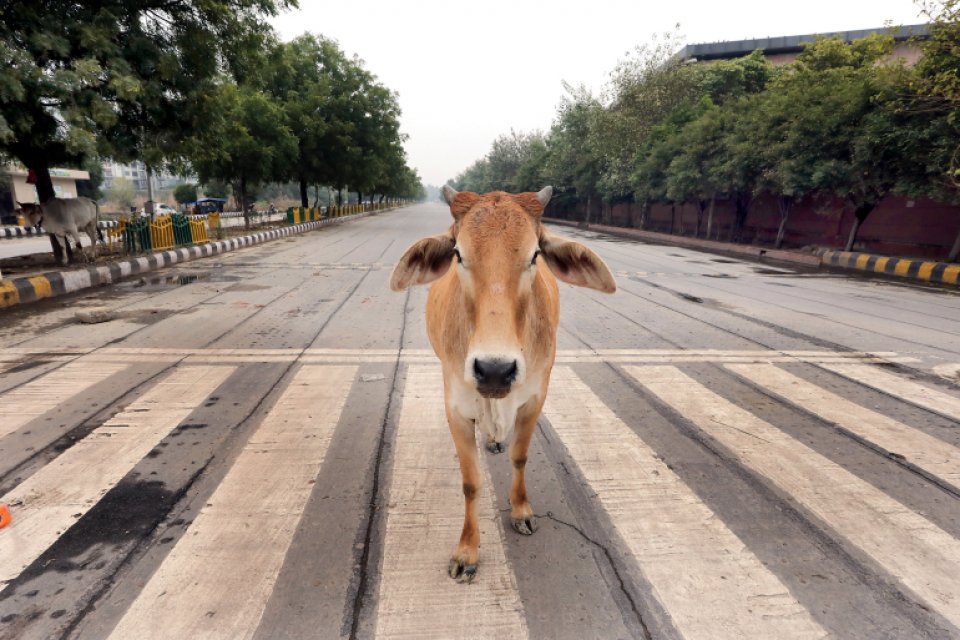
(148,207)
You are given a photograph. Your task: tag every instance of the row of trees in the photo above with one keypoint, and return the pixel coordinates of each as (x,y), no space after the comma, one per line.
(193,86)
(844,120)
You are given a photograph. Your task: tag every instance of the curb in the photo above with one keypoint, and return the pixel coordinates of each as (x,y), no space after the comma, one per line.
(23,232)
(925,270)
(57,283)
(697,243)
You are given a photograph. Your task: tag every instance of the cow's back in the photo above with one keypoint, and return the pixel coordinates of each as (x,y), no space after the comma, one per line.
(68,214)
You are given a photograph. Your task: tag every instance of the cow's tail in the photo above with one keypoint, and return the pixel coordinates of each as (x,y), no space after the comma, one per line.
(97,220)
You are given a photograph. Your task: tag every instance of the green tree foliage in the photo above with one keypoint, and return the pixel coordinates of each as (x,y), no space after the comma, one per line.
(185,192)
(844,120)
(246,141)
(114,78)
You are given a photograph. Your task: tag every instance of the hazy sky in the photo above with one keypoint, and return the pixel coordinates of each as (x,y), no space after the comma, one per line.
(467,72)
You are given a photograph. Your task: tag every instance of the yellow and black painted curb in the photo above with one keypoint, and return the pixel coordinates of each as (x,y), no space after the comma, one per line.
(14,291)
(926,270)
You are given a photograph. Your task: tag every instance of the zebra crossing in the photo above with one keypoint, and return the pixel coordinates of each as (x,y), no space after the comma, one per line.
(707,579)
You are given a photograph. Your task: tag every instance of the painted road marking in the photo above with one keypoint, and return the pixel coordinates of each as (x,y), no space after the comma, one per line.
(910,547)
(711,584)
(45,504)
(217,579)
(35,398)
(426,356)
(423,524)
(926,452)
(900,387)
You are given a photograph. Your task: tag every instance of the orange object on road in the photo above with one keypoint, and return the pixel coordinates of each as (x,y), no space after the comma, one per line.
(4,516)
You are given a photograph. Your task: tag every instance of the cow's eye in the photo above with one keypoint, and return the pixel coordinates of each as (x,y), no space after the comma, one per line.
(535,254)
(456,252)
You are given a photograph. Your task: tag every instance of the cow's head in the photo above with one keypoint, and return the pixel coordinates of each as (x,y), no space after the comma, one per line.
(32,212)
(498,245)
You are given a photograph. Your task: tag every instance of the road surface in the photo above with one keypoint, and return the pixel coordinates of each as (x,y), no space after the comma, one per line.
(253,446)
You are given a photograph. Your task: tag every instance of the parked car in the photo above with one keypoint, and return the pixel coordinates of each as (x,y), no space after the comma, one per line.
(159,209)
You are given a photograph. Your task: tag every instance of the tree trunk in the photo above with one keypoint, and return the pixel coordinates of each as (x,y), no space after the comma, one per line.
(304,196)
(701,208)
(45,191)
(955,251)
(862,211)
(586,218)
(713,201)
(243,202)
(644,210)
(742,202)
(673,216)
(786,205)
(340,197)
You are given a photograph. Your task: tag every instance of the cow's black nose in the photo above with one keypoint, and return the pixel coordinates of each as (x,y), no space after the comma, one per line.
(494,375)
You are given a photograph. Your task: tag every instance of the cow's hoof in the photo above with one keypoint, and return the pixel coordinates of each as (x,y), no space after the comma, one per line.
(524,526)
(495,447)
(461,572)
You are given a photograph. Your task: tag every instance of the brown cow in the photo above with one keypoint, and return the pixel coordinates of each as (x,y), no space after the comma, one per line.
(492,321)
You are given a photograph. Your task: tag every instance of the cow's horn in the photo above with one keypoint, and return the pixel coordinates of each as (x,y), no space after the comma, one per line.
(449,193)
(544,195)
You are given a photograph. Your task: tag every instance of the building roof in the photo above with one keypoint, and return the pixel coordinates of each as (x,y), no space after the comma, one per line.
(789,44)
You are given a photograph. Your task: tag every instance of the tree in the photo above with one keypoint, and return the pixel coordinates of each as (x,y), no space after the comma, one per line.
(845,112)
(246,142)
(185,192)
(935,97)
(644,89)
(574,162)
(114,78)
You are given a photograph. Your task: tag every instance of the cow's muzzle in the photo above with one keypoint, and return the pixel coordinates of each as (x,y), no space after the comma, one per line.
(494,377)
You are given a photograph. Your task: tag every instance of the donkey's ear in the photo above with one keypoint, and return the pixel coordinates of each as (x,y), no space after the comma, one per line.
(425,261)
(575,264)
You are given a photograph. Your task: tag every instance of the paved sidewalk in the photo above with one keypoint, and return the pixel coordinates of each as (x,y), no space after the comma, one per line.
(924,270)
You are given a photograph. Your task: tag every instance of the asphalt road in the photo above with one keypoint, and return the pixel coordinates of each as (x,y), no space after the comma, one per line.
(253,446)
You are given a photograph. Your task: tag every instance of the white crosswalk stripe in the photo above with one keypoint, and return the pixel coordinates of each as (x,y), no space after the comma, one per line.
(21,405)
(711,584)
(217,579)
(876,523)
(928,453)
(424,518)
(47,503)
(900,387)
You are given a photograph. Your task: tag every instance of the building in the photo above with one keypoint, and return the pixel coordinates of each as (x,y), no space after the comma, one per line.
(136,172)
(18,190)
(784,49)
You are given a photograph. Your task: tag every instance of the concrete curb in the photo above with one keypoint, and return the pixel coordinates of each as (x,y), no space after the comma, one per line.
(23,232)
(928,271)
(925,270)
(19,232)
(57,283)
(751,251)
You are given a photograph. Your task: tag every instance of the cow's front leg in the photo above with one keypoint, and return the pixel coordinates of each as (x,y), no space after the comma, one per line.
(521,513)
(463,564)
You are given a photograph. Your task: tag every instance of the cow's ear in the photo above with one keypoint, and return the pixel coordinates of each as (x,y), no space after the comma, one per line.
(425,261)
(460,201)
(576,264)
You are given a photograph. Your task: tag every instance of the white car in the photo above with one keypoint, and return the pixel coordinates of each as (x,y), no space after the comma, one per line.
(159,209)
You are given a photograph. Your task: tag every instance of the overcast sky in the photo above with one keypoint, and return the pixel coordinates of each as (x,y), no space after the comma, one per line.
(467,72)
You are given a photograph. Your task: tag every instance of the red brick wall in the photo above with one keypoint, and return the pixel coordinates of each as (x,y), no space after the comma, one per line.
(898,226)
